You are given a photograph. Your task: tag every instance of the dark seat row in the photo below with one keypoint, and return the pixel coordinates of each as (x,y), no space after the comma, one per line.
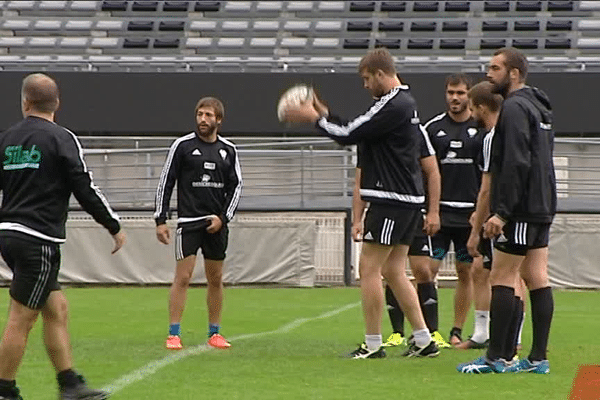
(554,43)
(457,26)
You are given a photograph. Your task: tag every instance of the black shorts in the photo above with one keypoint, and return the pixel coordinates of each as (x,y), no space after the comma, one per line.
(458,236)
(34,263)
(190,238)
(391,225)
(518,237)
(421,245)
(486,249)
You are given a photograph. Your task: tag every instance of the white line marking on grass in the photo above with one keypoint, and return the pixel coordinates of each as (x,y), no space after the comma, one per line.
(153,366)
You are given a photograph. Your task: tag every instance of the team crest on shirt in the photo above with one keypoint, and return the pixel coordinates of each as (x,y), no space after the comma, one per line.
(441,133)
(223,154)
(472,132)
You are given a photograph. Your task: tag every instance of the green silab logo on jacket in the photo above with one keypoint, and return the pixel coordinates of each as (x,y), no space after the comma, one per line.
(19,158)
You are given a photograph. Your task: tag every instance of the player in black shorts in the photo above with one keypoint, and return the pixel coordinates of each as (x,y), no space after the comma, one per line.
(457,140)
(523,204)
(43,165)
(391,182)
(206,168)
(420,255)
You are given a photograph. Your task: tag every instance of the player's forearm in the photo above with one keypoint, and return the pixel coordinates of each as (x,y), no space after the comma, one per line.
(358,204)
(482,208)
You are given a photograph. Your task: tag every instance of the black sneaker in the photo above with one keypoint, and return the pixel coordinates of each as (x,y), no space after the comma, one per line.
(13,394)
(455,333)
(364,352)
(82,392)
(431,350)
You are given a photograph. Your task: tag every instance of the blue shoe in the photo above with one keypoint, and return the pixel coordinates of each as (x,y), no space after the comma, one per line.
(482,365)
(534,367)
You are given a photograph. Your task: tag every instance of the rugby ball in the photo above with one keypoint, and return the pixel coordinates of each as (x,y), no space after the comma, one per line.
(294,96)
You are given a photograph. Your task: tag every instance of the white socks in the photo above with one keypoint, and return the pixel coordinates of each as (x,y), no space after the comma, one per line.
(482,326)
(373,342)
(422,337)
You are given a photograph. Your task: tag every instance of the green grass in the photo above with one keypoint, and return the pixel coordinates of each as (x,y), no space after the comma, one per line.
(117,330)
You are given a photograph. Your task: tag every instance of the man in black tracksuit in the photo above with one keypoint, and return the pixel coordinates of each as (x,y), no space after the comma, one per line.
(43,164)
(523,204)
(391,181)
(206,169)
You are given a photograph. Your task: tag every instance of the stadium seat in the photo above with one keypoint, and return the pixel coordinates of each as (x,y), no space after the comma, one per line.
(109,25)
(558,43)
(420,44)
(53,5)
(12,41)
(560,6)
(420,26)
(105,42)
(359,26)
(393,6)
(263,42)
(114,6)
(235,25)
(331,6)
(171,25)
(588,25)
(425,6)
(529,6)
(206,6)
(496,6)
(494,26)
(326,42)
(16,25)
(144,6)
(203,25)
(136,43)
(74,42)
(84,5)
(462,6)
(230,42)
(300,6)
(172,43)
(560,25)
(588,43)
(197,42)
(78,25)
(525,43)
(140,25)
(266,25)
(238,6)
(362,6)
(43,42)
(356,43)
(455,26)
(452,43)
(20,5)
(175,6)
(328,25)
(527,26)
(297,42)
(386,26)
(492,43)
(297,26)
(389,43)
(269,6)
(47,25)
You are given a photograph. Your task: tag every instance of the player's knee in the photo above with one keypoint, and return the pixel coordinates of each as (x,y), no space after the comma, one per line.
(214,278)
(182,280)
(422,275)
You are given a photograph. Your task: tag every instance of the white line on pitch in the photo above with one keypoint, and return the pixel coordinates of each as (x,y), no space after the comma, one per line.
(153,366)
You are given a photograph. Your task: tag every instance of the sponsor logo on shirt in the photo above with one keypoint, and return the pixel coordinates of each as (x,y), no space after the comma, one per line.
(19,158)
(207,183)
(456,144)
(209,165)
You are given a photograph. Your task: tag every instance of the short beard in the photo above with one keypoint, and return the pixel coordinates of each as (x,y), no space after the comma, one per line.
(208,133)
(502,87)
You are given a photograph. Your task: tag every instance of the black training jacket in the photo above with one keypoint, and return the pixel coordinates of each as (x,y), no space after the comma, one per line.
(208,177)
(389,137)
(42,165)
(523,181)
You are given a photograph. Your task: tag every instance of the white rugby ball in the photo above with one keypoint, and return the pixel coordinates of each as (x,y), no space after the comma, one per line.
(294,96)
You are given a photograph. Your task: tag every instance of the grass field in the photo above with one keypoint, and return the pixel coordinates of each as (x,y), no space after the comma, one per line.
(287,344)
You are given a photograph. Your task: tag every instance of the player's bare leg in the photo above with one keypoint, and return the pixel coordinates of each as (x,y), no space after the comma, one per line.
(463,297)
(55,320)
(14,340)
(177,298)
(214,302)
